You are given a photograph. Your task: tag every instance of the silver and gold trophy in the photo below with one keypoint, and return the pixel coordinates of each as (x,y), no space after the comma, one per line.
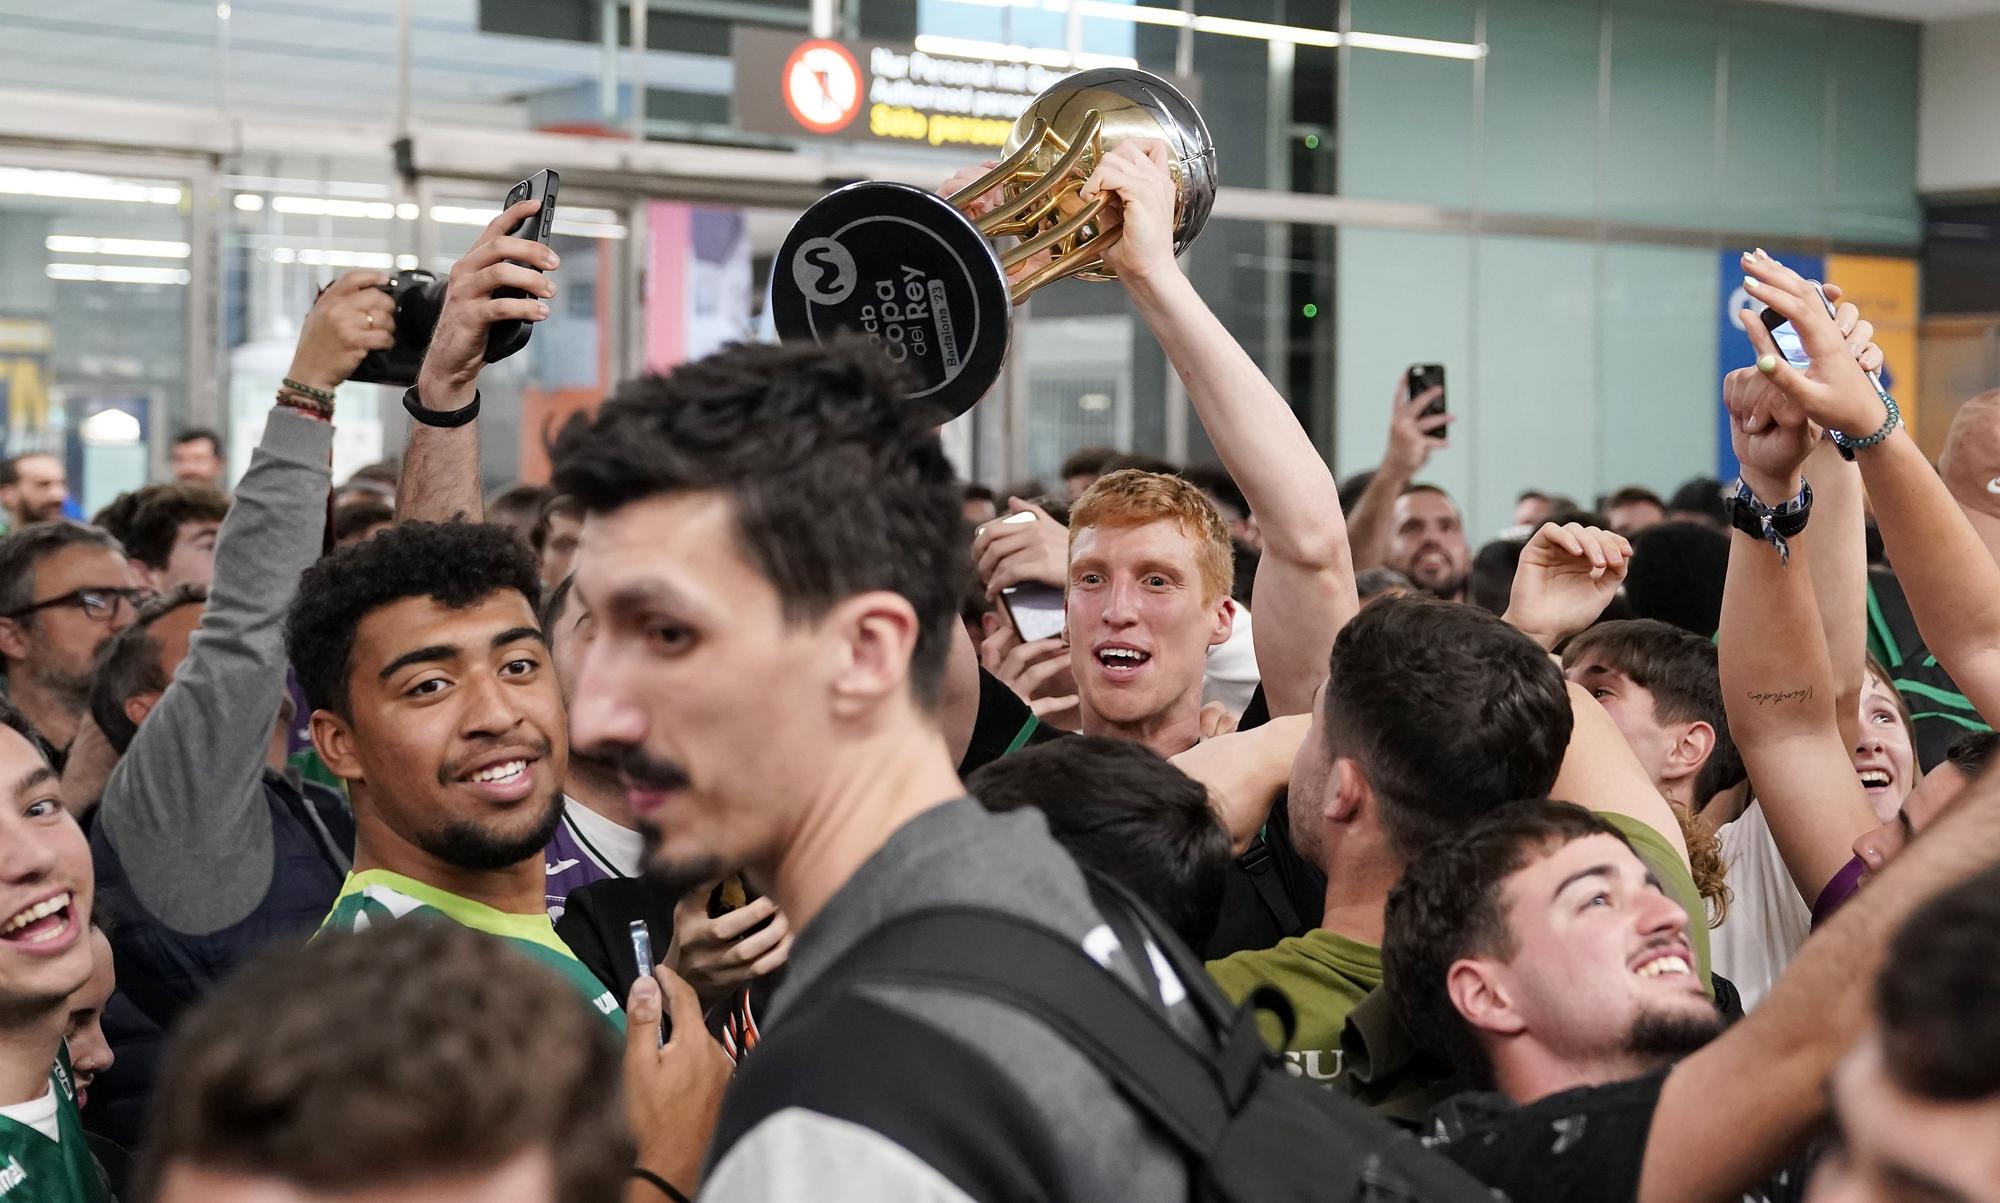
(915,274)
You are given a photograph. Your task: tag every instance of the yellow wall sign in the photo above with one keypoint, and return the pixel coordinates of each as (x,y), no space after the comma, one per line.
(1885,290)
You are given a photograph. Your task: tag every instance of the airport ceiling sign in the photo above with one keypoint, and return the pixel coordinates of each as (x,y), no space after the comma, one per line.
(878,91)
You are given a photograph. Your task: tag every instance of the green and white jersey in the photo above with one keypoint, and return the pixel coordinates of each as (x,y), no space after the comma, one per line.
(36,1169)
(379,896)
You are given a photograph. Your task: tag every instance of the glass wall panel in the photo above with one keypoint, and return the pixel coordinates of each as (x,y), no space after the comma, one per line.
(94,334)
(1658,391)
(291,224)
(1404,298)
(1873,132)
(1408,129)
(1774,169)
(1530,416)
(1540,112)
(155,50)
(1659,157)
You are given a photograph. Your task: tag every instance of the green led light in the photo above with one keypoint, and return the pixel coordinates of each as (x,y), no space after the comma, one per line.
(1312,141)
(1311,310)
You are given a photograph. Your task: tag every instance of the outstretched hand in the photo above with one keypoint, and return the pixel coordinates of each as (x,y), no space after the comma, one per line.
(458,344)
(1769,433)
(1835,390)
(1412,435)
(1568,574)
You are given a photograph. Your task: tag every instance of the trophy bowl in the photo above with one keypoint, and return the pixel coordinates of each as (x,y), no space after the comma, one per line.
(1100,108)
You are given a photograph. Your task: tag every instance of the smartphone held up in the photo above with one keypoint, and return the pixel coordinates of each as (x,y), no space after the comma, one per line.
(1420,379)
(1786,336)
(419,297)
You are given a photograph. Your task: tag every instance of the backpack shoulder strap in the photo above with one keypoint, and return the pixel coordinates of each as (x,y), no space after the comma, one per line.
(1035,970)
(1262,870)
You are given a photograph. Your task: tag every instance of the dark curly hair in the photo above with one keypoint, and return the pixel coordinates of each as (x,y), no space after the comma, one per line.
(1448,907)
(838,483)
(1450,711)
(456,564)
(385,1057)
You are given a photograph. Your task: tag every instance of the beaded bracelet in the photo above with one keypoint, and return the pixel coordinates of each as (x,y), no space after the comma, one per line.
(307,390)
(312,407)
(1848,446)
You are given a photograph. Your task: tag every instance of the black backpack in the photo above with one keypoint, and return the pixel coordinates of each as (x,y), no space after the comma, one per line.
(1252,1132)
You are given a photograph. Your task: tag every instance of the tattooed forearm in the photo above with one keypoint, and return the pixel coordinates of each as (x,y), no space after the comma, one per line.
(1773,698)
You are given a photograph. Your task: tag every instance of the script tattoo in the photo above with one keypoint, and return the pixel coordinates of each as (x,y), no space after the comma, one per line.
(1789,695)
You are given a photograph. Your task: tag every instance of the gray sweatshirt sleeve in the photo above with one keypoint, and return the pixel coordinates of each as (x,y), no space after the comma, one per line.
(800,1156)
(185,807)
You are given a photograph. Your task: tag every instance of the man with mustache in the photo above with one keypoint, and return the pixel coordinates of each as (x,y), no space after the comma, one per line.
(434,699)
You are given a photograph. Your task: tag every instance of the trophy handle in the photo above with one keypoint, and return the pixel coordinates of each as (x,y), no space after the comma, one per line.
(1004,170)
(1083,257)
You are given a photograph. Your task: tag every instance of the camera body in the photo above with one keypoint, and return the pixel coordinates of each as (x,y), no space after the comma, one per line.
(419,297)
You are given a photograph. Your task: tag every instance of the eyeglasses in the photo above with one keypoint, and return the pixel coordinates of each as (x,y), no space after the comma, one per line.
(96,603)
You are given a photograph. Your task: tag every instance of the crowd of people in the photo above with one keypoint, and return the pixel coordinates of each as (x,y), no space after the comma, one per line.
(1644,852)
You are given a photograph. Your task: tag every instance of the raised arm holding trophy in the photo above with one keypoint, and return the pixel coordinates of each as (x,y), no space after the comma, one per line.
(917,273)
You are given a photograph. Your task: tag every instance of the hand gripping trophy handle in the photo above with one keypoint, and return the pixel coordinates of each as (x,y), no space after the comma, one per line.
(1039,180)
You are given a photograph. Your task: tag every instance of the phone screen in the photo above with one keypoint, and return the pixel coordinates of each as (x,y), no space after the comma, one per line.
(1789,345)
(1786,335)
(1035,610)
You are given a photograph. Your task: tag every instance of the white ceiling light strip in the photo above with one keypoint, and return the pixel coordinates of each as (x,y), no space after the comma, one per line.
(138,248)
(931,43)
(99,273)
(77,185)
(1145,14)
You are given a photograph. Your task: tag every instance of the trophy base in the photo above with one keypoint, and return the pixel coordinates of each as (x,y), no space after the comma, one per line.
(904,269)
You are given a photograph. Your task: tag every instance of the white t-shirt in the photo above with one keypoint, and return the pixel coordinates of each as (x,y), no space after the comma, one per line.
(619,848)
(1767,920)
(1231,674)
(39,1114)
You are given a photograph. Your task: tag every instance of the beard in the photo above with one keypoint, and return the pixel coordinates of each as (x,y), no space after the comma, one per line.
(676,878)
(1446,581)
(1664,1037)
(468,845)
(70,689)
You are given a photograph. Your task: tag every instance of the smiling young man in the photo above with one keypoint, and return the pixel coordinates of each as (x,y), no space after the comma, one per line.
(434,700)
(45,959)
(1536,949)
